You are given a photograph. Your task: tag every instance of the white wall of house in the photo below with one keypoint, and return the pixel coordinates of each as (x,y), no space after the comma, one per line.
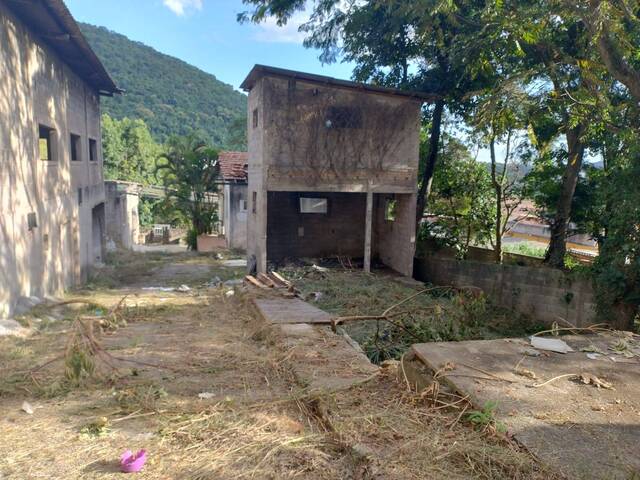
(234,218)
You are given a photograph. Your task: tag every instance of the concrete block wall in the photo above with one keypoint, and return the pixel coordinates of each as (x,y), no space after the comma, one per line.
(542,293)
(293,234)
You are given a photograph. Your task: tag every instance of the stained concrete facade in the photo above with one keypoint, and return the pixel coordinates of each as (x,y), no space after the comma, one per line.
(52,209)
(332,169)
(121,214)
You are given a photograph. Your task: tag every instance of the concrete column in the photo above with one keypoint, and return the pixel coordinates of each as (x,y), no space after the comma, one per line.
(367,231)
(262,232)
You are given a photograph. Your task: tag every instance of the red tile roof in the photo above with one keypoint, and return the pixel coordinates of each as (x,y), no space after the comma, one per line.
(233,166)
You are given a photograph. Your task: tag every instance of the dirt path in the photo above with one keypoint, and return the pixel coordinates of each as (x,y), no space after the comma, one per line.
(253,421)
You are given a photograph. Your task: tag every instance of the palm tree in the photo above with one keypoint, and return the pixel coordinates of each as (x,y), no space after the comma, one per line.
(189,171)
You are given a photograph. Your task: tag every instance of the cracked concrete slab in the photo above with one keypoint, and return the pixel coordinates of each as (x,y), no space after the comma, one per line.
(576,427)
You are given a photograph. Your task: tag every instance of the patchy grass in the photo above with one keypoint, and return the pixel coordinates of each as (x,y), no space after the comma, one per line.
(441,314)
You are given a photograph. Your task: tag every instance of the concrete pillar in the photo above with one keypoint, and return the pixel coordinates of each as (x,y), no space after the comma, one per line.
(262,232)
(367,232)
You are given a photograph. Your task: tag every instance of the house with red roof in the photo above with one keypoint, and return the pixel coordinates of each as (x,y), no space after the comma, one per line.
(233,201)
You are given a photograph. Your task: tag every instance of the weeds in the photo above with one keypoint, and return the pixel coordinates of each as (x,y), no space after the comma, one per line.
(440,315)
(97,428)
(485,419)
(146,398)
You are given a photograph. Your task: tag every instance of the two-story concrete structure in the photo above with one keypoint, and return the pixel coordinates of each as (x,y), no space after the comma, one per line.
(51,183)
(333,169)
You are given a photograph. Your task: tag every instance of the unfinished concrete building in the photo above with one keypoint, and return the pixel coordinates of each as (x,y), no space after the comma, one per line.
(51,183)
(233,201)
(121,214)
(332,169)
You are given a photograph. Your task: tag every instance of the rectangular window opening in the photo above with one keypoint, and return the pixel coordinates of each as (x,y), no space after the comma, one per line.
(93,150)
(79,196)
(32,220)
(76,148)
(254,201)
(45,143)
(243,205)
(313,205)
(390,209)
(255,118)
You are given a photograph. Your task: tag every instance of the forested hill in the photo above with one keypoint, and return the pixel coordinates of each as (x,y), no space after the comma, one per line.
(171,96)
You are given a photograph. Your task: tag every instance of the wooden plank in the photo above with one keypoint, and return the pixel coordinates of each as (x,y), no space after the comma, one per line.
(281,279)
(266,280)
(254,281)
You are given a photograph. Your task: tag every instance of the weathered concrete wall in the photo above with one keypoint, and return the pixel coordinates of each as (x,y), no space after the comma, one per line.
(121,211)
(332,139)
(37,88)
(338,232)
(395,241)
(543,293)
(257,215)
(234,217)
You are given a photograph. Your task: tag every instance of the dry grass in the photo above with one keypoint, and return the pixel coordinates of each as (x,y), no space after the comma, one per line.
(257,423)
(442,314)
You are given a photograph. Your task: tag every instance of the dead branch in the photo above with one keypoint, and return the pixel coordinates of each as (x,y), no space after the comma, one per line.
(386,314)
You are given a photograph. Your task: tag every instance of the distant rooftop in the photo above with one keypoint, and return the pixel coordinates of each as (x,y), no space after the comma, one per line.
(233,166)
(260,71)
(51,21)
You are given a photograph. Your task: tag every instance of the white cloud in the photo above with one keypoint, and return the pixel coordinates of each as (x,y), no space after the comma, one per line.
(269,31)
(181,7)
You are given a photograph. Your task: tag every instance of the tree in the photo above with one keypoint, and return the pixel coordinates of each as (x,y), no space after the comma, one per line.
(129,150)
(427,45)
(190,171)
(236,137)
(614,31)
(461,211)
(500,117)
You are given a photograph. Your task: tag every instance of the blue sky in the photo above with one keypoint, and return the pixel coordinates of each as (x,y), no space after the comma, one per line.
(205,33)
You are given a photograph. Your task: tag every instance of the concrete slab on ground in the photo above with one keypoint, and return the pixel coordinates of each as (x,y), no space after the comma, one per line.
(580,429)
(322,360)
(290,310)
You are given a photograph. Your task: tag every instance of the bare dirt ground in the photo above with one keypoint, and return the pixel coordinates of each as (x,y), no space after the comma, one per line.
(167,350)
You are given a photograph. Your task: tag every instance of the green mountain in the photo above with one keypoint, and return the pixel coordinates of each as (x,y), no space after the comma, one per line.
(171,96)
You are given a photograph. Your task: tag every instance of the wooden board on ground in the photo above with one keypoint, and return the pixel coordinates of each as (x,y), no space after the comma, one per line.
(290,310)
(580,429)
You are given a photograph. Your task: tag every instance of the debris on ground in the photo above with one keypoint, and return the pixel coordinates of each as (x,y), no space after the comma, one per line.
(27,408)
(235,263)
(556,413)
(550,344)
(589,379)
(357,300)
(169,348)
(11,327)
(130,463)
